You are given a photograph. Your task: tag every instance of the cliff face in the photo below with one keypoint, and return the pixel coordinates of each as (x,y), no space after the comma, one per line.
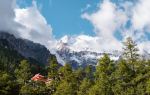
(26,48)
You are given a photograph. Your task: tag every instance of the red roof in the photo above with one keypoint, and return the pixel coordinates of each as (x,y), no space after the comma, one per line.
(39,77)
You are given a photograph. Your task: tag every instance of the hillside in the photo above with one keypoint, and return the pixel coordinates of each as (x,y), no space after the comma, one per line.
(25,48)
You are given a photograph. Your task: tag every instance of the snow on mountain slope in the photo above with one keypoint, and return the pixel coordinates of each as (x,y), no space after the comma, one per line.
(82,50)
(76,51)
(87,43)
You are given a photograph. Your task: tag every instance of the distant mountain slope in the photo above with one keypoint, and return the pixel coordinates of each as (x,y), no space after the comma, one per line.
(81,58)
(7,54)
(25,48)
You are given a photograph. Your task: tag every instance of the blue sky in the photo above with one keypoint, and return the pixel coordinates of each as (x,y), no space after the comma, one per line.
(102,24)
(65,15)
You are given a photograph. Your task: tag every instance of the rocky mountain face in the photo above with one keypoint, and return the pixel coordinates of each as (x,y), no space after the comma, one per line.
(82,58)
(26,48)
(86,56)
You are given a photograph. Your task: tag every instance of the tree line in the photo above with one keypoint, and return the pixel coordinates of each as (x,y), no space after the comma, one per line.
(130,75)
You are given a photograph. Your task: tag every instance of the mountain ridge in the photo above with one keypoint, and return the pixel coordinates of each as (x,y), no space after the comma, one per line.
(86,56)
(81,58)
(27,48)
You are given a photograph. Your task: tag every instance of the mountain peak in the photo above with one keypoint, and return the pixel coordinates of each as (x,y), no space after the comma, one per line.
(65,39)
(62,46)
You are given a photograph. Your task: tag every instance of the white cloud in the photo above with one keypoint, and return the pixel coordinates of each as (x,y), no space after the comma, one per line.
(84,42)
(88,43)
(141,15)
(26,22)
(129,18)
(141,24)
(144,46)
(106,20)
(86,8)
(7,16)
(35,25)
(111,17)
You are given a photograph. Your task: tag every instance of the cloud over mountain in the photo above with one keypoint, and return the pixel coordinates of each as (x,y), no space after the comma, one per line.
(36,27)
(7,15)
(128,18)
(26,22)
(106,20)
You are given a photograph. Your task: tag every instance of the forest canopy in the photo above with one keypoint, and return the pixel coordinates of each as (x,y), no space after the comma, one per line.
(130,75)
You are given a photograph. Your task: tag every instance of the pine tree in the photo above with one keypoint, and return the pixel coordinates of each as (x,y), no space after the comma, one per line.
(34,88)
(53,67)
(53,74)
(66,72)
(130,52)
(84,87)
(148,86)
(68,83)
(8,85)
(89,72)
(121,77)
(23,72)
(128,74)
(102,78)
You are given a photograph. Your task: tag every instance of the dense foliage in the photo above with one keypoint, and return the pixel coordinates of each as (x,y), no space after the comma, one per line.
(130,75)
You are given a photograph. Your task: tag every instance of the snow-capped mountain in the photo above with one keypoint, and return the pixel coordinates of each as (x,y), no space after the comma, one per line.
(79,51)
(80,56)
